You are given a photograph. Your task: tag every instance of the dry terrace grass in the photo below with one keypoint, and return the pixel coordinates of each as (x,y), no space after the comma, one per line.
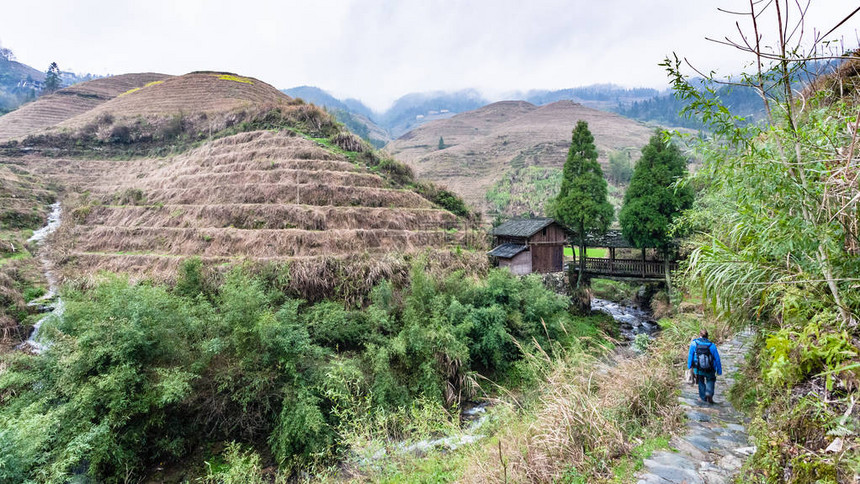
(483,144)
(267,216)
(194,93)
(248,198)
(312,278)
(229,242)
(53,109)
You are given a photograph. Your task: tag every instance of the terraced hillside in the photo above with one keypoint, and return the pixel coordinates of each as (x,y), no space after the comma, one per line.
(53,109)
(261,196)
(511,149)
(195,93)
(220,168)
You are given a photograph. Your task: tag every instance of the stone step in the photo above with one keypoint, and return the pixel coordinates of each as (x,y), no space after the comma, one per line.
(715,443)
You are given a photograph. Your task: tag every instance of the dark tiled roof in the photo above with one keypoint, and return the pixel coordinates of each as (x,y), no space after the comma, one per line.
(613,238)
(525,227)
(506,251)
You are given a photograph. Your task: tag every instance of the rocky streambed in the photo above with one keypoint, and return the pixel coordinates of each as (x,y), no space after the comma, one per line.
(632,320)
(49,304)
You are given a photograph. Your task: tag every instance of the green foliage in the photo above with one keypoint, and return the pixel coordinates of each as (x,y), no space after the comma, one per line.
(111,385)
(620,167)
(653,200)
(777,246)
(810,343)
(525,190)
(441,143)
(581,203)
(444,198)
(241,467)
(612,290)
(53,81)
(641,342)
(137,374)
(31,293)
(189,283)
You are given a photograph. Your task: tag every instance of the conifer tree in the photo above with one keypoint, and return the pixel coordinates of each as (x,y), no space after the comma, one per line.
(581,203)
(652,201)
(53,81)
(441,143)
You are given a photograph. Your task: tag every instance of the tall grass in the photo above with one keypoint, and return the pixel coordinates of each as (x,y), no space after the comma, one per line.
(590,411)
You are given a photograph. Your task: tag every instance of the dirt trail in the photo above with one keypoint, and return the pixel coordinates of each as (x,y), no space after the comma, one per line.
(715,442)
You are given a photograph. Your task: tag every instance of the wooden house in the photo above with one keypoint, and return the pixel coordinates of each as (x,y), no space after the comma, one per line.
(530,245)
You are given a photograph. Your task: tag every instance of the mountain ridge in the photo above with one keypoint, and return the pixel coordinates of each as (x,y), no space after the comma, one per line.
(511,140)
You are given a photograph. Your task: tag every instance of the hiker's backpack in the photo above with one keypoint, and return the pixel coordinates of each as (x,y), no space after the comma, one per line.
(704,358)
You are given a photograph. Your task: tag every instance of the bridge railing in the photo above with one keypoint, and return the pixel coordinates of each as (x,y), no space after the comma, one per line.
(625,267)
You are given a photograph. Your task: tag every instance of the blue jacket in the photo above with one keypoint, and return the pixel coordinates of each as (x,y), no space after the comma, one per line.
(716,354)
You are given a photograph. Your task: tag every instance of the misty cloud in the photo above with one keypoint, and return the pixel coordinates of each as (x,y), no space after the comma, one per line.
(378,50)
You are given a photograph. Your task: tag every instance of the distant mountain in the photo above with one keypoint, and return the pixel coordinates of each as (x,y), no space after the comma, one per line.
(407,112)
(351,112)
(598,96)
(415,109)
(506,158)
(18,82)
(664,108)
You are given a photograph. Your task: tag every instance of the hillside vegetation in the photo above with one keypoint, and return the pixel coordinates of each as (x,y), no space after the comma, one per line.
(776,247)
(50,110)
(272,182)
(493,155)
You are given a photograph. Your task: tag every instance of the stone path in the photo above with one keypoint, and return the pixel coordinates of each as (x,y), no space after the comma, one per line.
(715,443)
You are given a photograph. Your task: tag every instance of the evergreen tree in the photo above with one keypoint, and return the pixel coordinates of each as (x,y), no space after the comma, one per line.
(581,203)
(652,200)
(52,78)
(441,143)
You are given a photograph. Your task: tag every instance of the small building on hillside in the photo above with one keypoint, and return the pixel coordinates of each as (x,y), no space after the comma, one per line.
(530,245)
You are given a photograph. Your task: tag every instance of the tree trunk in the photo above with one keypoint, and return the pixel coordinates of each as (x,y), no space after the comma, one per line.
(668,275)
(582,255)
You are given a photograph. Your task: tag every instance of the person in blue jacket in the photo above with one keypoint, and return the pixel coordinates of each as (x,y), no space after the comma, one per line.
(704,359)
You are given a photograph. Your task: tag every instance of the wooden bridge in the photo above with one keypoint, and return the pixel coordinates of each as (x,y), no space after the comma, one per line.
(625,268)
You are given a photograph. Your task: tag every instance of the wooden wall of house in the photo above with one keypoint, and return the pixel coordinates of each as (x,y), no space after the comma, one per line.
(520,264)
(547,248)
(553,233)
(547,258)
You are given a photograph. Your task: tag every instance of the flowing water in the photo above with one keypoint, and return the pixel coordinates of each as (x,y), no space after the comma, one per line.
(632,321)
(49,304)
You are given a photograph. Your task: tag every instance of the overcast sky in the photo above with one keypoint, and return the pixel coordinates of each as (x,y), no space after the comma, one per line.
(378,50)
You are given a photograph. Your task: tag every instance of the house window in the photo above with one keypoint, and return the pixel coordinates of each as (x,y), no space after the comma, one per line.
(544,232)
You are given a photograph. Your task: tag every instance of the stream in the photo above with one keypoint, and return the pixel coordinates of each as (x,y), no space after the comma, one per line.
(49,304)
(632,321)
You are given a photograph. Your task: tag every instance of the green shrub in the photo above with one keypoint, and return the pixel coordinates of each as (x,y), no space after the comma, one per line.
(138,374)
(241,467)
(189,283)
(31,293)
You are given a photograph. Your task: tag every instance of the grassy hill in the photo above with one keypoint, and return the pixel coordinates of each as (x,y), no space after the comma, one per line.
(495,156)
(248,176)
(63,105)
(351,112)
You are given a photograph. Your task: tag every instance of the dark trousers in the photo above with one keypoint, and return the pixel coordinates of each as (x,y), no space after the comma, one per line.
(706,385)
